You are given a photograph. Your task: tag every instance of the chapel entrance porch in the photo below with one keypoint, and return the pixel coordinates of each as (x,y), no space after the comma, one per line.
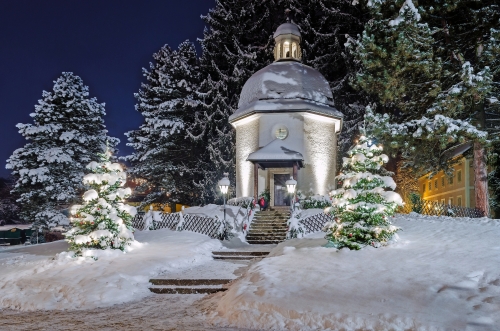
(272,177)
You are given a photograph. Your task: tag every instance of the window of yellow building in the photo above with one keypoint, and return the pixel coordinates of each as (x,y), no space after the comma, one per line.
(450,201)
(443,202)
(459,176)
(459,200)
(423,188)
(450,180)
(442,181)
(436,183)
(430,185)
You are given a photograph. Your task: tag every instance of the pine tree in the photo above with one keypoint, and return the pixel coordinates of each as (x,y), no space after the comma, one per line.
(239,41)
(406,182)
(68,132)
(9,208)
(168,101)
(362,206)
(436,61)
(103,221)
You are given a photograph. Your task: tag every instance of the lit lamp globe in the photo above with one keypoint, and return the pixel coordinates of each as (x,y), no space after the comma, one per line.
(224,184)
(290,185)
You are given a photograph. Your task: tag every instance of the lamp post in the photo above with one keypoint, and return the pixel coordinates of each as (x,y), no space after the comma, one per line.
(224,186)
(290,185)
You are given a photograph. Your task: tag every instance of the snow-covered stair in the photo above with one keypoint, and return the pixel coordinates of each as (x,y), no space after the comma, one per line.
(188,286)
(238,255)
(268,227)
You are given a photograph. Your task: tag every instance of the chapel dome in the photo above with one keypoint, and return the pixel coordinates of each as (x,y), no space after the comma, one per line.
(287,28)
(286,80)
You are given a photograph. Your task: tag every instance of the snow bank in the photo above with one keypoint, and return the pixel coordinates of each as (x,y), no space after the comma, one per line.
(29,282)
(443,274)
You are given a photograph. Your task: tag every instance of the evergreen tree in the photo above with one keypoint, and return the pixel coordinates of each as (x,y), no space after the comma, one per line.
(362,206)
(239,41)
(103,221)
(68,132)
(168,101)
(434,63)
(9,208)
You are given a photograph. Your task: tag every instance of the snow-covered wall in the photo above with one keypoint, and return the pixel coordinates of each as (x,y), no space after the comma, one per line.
(314,136)
(247,141)
(320,151)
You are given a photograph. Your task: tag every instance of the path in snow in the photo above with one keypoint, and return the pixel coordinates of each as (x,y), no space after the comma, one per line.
(158,312)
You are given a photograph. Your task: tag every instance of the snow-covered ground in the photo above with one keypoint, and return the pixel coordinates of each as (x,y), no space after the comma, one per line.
(443,274)
(45,281)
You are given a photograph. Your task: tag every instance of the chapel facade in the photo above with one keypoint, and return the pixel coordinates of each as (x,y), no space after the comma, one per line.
(286,126)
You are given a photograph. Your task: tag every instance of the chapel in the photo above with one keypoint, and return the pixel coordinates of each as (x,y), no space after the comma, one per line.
(286,126)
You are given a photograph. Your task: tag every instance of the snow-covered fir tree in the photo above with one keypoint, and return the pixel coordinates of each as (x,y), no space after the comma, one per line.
(103,221)
(364,204)
(430,64)
(68,132)
(239,41)
(163,157)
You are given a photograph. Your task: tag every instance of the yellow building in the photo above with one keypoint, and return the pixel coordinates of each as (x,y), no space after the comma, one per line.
(457,190)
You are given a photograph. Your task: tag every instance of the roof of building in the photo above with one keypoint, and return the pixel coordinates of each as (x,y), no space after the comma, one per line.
(284,87)
(276,150)
(287,28)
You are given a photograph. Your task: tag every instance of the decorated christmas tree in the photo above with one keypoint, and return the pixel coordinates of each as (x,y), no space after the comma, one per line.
(363,205)
(103,221)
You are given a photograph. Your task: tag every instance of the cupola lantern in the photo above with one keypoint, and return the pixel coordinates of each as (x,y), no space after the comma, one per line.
(287,47)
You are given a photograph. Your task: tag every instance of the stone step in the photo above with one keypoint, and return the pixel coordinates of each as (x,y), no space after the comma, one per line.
(240,253)
(188,282)
(268,238)
(264,242)
(269,225)
(269,233)
(186,290)
(268,228)
(234,257)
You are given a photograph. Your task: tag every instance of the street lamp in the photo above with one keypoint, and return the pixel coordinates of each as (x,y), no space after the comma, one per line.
(290,185)
(224,186)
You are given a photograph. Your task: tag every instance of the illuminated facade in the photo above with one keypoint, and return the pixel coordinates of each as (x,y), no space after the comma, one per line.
(457,190)
(286,125)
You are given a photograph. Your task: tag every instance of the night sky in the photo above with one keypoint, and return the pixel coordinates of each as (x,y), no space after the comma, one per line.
(105,42)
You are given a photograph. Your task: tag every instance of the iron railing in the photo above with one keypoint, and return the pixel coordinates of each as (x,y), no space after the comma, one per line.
(212,227)
(316,222)
(434,208)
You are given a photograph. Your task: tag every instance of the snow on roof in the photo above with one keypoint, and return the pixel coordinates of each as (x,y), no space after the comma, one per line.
(286,80)
(276,150)
(287,28)
(17,226)
(285,87)
(456,151)
(285,105)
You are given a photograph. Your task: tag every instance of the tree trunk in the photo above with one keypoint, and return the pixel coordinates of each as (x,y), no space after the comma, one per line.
(481,179)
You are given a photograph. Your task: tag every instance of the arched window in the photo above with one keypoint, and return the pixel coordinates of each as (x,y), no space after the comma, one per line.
(286,49)
(294,50)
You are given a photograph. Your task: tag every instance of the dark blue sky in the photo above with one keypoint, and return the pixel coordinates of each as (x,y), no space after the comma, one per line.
(106,42)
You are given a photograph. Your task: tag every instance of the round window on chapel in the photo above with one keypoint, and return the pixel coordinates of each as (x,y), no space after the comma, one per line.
(281,132)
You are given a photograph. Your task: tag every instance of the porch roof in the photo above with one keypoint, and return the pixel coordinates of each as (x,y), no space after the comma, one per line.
(276,153)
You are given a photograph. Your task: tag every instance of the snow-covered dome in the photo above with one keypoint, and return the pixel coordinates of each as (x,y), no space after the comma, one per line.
(286,80)
(287,28)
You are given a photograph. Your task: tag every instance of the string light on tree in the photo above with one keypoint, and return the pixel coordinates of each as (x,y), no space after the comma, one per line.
(103,221)
(364,203)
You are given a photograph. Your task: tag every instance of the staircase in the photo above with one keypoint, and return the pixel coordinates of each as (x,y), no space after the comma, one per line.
(188,286)
(268,227)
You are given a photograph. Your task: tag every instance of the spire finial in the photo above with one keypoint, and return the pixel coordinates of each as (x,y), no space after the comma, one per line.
(287,13)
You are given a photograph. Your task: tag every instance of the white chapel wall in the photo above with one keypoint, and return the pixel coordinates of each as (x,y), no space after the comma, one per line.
(247,141)
(320,147)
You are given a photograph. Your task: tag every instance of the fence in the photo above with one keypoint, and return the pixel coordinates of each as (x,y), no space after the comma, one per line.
(433,208)
(211,227)
(310,224)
